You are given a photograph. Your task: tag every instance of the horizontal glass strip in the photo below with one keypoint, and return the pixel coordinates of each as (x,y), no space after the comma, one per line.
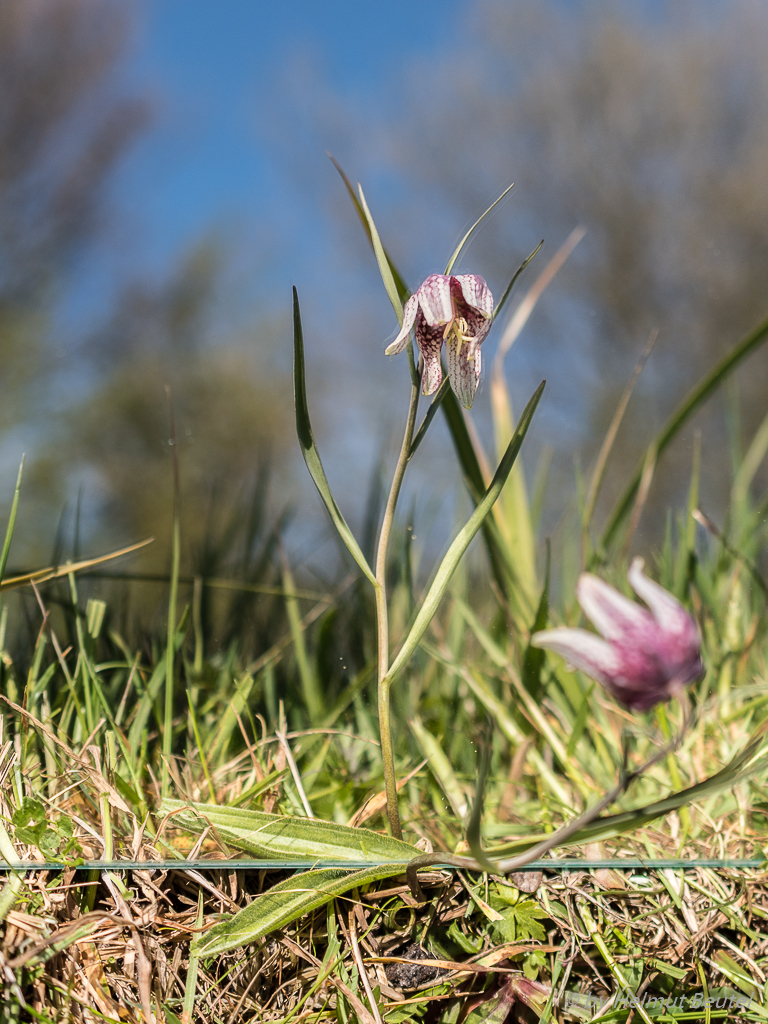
(619,864)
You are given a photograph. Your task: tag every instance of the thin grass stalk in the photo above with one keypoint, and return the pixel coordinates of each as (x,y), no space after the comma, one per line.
(12,887)
(197,624)
(62,662)
(190,986)
(646,480)
(82,668)
(520,317)
(172,601)
(687,536)
(382,617)
(610,437)
(11,520)
(680,417)
(663,722)
(310,686)
(199,742)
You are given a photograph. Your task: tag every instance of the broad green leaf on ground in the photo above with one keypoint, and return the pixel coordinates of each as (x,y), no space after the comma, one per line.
(309,447)
(281,837)
(284,903)
(520,920)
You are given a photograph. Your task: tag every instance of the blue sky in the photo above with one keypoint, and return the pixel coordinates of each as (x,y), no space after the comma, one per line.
(216,67)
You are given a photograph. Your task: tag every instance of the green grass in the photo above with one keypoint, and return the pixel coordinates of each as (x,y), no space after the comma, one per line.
(255,693)
(83,751)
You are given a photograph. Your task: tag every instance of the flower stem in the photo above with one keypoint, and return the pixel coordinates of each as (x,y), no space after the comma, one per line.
(555,839)
(382,619)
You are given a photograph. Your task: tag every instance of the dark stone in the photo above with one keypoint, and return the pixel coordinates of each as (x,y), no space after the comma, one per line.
(413,975)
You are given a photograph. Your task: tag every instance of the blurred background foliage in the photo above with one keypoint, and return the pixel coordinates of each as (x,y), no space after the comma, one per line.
(643,122)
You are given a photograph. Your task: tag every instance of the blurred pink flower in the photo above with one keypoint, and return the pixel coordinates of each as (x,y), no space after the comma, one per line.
(645,656)
(455,309)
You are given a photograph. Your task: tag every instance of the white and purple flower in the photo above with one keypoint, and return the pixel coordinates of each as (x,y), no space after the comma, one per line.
(456,309)
(645,657)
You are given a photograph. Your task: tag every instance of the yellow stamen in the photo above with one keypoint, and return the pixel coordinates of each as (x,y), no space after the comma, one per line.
(459,329)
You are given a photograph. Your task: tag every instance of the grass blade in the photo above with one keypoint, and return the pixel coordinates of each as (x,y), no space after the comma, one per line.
(170,673)
(533,663)
(498,556)
(284,903)
(309,448)
(192,971)
(56,572)
(383,261)
(610,437)
(677,421)
(452,261)
(474,839)
(462,541)
(402,288)
(310,685)
(521,315)
(430,415)
(441,768)
(11,520)
(508,290)
(513,514)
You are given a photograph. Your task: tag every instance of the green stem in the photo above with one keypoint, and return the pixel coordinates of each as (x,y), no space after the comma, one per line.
(382,618)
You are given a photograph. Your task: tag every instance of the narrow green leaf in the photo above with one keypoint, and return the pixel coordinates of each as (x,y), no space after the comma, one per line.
(461,543)
(677,421)
(750,463)
(11,520)
(686,554)
(494,651)
(280,836)
(579,725)
(430,415)
(402,288)
(513,513)
(309,448)
(284,903)
(145,704)
(533,659)
(441,768)
(508,290)
(474,839)
(314,700)
(383,260)
(501,564)
(190,986)
(480,219)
